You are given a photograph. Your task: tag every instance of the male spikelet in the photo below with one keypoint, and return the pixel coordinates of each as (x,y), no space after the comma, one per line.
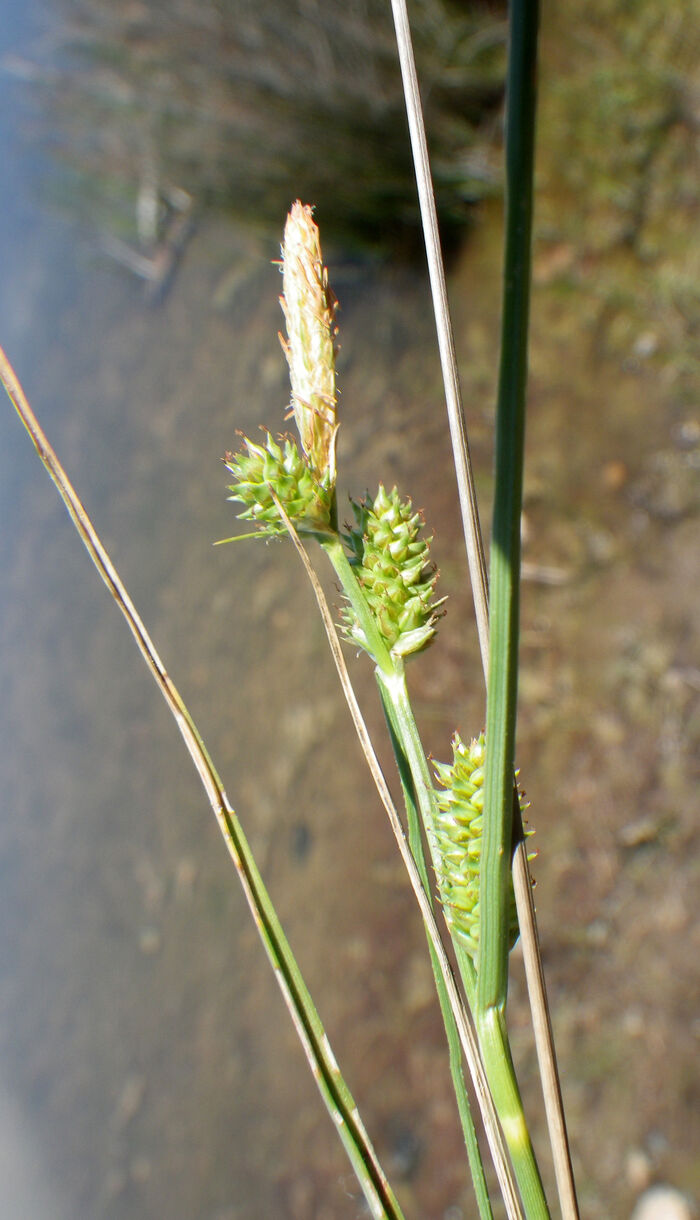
(393,568)
(459,835)
(303,481)
(309,308)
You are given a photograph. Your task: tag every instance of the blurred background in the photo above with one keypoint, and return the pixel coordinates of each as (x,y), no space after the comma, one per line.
(150,152)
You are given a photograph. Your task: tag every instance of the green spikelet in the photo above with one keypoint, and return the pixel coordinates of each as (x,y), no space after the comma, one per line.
(257,469)
(394,570)
(458,831)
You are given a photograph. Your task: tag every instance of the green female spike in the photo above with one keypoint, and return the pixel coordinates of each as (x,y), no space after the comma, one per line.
(459,826)
(258,470)
(394,570)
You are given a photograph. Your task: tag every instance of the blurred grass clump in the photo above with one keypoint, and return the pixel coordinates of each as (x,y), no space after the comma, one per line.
(249,105)
(618,177)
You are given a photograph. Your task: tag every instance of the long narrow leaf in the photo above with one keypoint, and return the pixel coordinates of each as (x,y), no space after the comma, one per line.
(544,1041)
(332,1087)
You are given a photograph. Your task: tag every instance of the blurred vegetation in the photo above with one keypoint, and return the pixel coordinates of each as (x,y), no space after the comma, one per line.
(619,183)
(247,106)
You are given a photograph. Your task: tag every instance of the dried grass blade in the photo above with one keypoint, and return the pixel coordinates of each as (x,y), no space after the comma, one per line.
(542,1026)
(453,394)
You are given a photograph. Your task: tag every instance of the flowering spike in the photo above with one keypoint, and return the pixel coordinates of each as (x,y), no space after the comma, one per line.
(394,570)
(459,832)
(309,308)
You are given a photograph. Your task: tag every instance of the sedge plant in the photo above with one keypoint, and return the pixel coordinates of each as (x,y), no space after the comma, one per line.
(382,561)
(467,811)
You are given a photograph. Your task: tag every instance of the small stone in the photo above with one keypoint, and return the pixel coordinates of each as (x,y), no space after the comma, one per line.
(639,832)
(597,933)
(633,1025)
(601,545)
(646,344)
(615,474)
(687,434)
(638,1169)
(662,1203)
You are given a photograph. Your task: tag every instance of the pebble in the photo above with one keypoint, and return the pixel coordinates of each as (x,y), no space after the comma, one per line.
(662,1203)
(646,344)
(640,832)
(638,1169)
(614,474)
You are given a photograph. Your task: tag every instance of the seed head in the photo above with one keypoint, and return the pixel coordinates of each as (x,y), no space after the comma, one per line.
(393,567)
(459,836)
(260,469)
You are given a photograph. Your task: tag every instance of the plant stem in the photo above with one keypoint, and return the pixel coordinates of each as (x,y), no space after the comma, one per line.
(378,650)
(495,1050)
(505,543)
(492,968)
(493,1036)
(455,1055)
(386,669)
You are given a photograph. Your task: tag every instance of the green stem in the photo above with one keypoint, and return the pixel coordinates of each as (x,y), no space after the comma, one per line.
(493,1037)
(334,1091)
(415,842)
(505,544)
(492,968)
(389,673)
(495,1051)
(345,572)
